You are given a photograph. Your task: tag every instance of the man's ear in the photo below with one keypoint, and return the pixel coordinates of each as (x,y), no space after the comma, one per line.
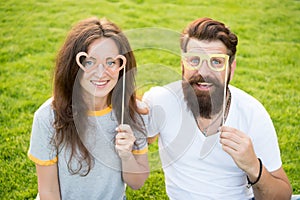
(182,68)
(233,66)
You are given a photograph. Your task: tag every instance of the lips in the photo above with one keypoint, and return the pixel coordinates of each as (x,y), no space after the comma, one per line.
(203,85)
(99,83)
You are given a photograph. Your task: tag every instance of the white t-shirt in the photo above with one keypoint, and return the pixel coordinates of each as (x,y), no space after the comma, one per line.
(104,181)
(216,176)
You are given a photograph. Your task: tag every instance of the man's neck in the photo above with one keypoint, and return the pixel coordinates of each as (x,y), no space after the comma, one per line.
(210,126)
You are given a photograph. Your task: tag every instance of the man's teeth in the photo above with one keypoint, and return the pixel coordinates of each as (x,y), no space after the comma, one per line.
(203,83)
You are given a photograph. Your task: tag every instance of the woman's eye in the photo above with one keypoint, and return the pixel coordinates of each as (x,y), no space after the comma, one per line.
(110,63)
(88,63)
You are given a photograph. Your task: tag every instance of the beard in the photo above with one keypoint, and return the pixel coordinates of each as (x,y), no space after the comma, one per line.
(203,103)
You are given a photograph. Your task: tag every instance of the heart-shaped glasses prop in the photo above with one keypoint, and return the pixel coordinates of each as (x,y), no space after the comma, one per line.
(111,65)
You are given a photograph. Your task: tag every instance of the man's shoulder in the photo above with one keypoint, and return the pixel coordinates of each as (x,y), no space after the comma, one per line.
(244,100)
(241,94)
(171,88)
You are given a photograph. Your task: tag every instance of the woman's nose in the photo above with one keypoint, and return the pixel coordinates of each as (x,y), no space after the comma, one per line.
(100,70)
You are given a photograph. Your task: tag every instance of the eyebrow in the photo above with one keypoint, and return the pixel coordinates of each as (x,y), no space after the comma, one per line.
(204,49)
(107,57)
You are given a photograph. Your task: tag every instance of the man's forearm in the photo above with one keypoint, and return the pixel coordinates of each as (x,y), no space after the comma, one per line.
(271,187)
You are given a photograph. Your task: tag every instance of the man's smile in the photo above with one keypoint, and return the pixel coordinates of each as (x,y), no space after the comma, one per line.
(203,85)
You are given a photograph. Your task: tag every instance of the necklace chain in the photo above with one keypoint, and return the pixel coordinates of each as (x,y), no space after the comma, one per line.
(227,105)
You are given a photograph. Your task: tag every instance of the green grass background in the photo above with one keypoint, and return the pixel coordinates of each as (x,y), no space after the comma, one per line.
(31,33)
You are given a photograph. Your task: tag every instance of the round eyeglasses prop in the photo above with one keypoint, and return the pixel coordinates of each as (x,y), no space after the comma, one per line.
(194,61)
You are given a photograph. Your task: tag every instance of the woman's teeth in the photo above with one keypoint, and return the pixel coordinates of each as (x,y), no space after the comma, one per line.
(99,83)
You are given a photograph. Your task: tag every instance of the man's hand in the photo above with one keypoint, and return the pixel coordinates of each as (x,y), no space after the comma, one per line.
(239,146)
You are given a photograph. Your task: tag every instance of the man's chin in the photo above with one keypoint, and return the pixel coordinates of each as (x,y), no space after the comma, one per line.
(201,93)
(205,106)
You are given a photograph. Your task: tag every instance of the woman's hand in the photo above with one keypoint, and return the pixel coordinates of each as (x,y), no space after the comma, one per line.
(124,141)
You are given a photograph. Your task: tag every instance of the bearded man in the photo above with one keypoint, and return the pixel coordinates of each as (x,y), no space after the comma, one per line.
(215,140)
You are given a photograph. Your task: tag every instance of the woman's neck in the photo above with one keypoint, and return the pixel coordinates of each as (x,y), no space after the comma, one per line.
(96,103)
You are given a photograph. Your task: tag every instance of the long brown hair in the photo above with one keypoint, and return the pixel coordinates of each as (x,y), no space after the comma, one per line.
(66,111)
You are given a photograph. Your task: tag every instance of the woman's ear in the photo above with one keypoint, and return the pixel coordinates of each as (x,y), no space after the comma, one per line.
(233,66)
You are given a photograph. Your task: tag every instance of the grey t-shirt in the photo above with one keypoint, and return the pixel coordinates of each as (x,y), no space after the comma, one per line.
(104,181)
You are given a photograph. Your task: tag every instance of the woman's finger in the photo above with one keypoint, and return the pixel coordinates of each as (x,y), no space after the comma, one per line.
(124,127)
(122,135)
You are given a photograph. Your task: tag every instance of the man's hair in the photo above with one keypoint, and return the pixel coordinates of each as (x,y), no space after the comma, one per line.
(211,30)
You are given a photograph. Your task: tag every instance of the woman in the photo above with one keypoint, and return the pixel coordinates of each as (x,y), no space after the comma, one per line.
(81,148)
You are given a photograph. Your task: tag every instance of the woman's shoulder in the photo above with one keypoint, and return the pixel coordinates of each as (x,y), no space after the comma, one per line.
(45,110)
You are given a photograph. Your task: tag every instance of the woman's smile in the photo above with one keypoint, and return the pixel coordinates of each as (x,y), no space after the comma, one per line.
(99,83)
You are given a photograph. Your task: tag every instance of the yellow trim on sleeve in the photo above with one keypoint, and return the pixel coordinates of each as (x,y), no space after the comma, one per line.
(140,151)
(42,162)
(100,112)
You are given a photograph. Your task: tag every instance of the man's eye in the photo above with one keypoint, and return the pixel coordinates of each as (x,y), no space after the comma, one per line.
(194,61)
(216,62)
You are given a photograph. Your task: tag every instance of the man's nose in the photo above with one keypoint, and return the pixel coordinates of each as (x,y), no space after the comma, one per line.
(204,68)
